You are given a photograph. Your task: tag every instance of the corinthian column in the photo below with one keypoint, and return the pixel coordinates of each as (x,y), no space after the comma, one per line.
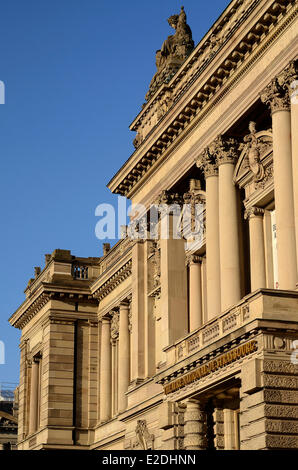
(289,81)
(124,356)
(226,152)
(278,99)
(195,292)
(210,168)
(195,426)
(105,372)
(257,248)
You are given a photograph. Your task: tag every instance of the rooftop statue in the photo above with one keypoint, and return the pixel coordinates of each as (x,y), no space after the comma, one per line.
(173,52)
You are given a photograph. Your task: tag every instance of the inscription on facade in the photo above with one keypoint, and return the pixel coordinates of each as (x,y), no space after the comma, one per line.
(212,366)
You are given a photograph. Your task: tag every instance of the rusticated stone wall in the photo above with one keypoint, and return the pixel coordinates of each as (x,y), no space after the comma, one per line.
(269,416)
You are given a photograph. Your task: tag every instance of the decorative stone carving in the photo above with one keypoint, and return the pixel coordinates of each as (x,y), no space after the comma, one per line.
(193,259)
(115,327)
(173,52)
(268,175)
(254,152)
(254,158)
(164,104)
(145,439)
(169,198)
(253,212)
(289,76)
(156,265)
(195,426)
(207,163)
(275,96)
(223,150)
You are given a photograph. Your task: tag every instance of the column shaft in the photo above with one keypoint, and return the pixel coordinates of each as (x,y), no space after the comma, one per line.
(277,97)
(229,237)
(124,357)
(257,248)
(195,294)
(284,201)
(105,372)
(195,426)
(212,247)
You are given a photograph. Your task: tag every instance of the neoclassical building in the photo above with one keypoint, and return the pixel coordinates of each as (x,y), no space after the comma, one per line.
(184,343)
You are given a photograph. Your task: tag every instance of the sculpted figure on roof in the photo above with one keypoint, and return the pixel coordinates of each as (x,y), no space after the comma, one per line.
(173,52)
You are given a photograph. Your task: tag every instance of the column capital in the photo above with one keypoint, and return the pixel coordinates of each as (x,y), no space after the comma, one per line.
(224,150)
(253,212)
(289,77)
(193,259)
(124,303)
(275,96)
(168,198)
(207,163)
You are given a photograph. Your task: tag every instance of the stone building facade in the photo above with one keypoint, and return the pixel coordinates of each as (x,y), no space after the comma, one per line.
(184,343)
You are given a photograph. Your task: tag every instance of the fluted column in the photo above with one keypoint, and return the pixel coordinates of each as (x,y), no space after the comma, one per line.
(105,372)
(195,292)
(230,273)
(124,356)
(278,99)
(33,414)
(195,426)
(289,80)
(209,165)
(257,248)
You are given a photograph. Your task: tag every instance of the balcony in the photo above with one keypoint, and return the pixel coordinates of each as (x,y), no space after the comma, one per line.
(273,305)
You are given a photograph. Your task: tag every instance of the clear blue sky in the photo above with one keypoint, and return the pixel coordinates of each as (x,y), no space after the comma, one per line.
(76,73)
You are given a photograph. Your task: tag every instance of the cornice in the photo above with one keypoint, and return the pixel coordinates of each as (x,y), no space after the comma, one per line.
(245,52)
(45,293)
(116,279)
(225,19)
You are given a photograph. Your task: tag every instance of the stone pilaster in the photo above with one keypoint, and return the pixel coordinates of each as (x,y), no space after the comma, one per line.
(137,310)
(278,100)
(194,426)
(34,396)
(257,247)
(105,372)
(173,279)
(218,417)
(124,356)
(171,423)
